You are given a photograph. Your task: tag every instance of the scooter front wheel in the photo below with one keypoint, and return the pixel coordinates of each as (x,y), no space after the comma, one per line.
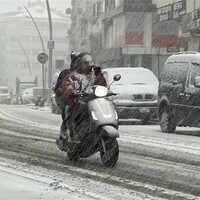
(110,157)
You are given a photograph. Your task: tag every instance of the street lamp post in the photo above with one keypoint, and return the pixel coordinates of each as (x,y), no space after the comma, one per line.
(42,43)
(25,56)
(41,40)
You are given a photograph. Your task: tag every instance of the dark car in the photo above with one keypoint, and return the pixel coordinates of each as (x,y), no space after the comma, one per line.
(179,92)
(137,92)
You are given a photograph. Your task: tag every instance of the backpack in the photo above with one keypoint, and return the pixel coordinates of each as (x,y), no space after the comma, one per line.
(60,99)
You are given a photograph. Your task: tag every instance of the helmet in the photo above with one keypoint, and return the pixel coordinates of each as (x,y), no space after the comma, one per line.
(86,58)
(80,59)
(74,59)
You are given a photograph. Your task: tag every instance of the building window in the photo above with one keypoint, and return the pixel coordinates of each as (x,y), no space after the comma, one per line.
(83,32)
(13,38)
(25,38)
(97,9)
(109,4)
(118,2)
(28,24)
(35,39)
(108,37)
(24,65)
(14,52)
(35,52)
(35,65)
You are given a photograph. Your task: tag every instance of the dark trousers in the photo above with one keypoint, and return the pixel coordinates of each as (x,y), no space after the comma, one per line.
(65,119)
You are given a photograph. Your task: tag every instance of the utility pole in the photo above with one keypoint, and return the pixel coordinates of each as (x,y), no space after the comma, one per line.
(42,43)
(50,45)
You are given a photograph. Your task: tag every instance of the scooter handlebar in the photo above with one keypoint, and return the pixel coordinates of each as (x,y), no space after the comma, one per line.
(112,93)
(81,94)
(84,94)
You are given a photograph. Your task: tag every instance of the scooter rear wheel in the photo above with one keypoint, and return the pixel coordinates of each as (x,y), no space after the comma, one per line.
(110,157)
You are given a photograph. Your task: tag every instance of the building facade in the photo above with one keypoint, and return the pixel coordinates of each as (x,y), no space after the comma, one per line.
(134,33)
(21,43)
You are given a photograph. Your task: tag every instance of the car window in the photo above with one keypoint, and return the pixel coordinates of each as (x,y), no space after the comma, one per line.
(3,91)
(195,71)
(175,72)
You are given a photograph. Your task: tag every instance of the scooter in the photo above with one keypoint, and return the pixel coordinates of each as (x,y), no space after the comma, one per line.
(97,128)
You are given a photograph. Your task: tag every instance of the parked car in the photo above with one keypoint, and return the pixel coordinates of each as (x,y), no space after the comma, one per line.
(5,96)
(179,92)
(137,92)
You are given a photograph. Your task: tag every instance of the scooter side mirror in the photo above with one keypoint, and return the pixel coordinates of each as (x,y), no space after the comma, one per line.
(117,77)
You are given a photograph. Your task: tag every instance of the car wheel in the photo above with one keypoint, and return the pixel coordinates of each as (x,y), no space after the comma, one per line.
(166,122)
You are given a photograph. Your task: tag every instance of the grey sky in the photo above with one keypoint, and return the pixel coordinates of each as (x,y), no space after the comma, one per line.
(11,5)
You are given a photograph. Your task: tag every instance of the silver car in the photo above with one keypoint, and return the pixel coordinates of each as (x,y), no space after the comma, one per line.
(5,96)
(137,92)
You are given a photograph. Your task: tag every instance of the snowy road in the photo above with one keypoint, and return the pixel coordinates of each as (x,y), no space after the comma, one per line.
(151,163)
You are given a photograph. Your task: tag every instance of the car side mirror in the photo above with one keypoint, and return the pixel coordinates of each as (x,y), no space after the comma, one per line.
(197,82)
(117,77)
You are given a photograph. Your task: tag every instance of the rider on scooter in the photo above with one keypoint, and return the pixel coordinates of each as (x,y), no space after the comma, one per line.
(81,79)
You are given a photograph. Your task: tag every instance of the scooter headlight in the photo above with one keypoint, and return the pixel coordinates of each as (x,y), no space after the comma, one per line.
(101,91)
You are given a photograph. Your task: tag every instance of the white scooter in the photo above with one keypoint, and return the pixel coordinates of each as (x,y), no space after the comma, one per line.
(95,127)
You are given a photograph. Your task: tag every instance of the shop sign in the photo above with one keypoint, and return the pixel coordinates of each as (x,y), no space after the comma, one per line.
(195,22)
(172,11)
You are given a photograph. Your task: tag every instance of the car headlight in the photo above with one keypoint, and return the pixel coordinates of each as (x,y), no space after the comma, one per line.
(100,91)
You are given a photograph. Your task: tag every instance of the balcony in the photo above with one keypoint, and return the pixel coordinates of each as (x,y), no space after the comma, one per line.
(130,6)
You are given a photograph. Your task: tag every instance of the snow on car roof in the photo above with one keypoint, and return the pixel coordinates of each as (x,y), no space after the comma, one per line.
(118,69)
(189,56)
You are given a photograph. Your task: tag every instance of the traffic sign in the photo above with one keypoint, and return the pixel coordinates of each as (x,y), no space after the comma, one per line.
(42,58)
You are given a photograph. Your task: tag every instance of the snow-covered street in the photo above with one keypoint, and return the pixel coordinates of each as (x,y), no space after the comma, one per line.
(152,165)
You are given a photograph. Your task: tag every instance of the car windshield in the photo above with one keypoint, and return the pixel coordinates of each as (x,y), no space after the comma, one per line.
(3,91)
(137,77)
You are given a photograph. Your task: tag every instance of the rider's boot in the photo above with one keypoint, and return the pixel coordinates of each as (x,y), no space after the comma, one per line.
(63,139)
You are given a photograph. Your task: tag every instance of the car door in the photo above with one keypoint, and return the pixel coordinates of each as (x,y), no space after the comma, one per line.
(177,75)
(192,97)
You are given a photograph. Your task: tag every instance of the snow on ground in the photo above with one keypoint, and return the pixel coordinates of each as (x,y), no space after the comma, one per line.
(20,181)
(145,135)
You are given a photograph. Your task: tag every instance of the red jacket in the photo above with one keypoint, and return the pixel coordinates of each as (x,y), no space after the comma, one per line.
(68,87)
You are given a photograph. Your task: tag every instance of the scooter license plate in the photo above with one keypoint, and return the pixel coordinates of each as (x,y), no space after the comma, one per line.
(144,110)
